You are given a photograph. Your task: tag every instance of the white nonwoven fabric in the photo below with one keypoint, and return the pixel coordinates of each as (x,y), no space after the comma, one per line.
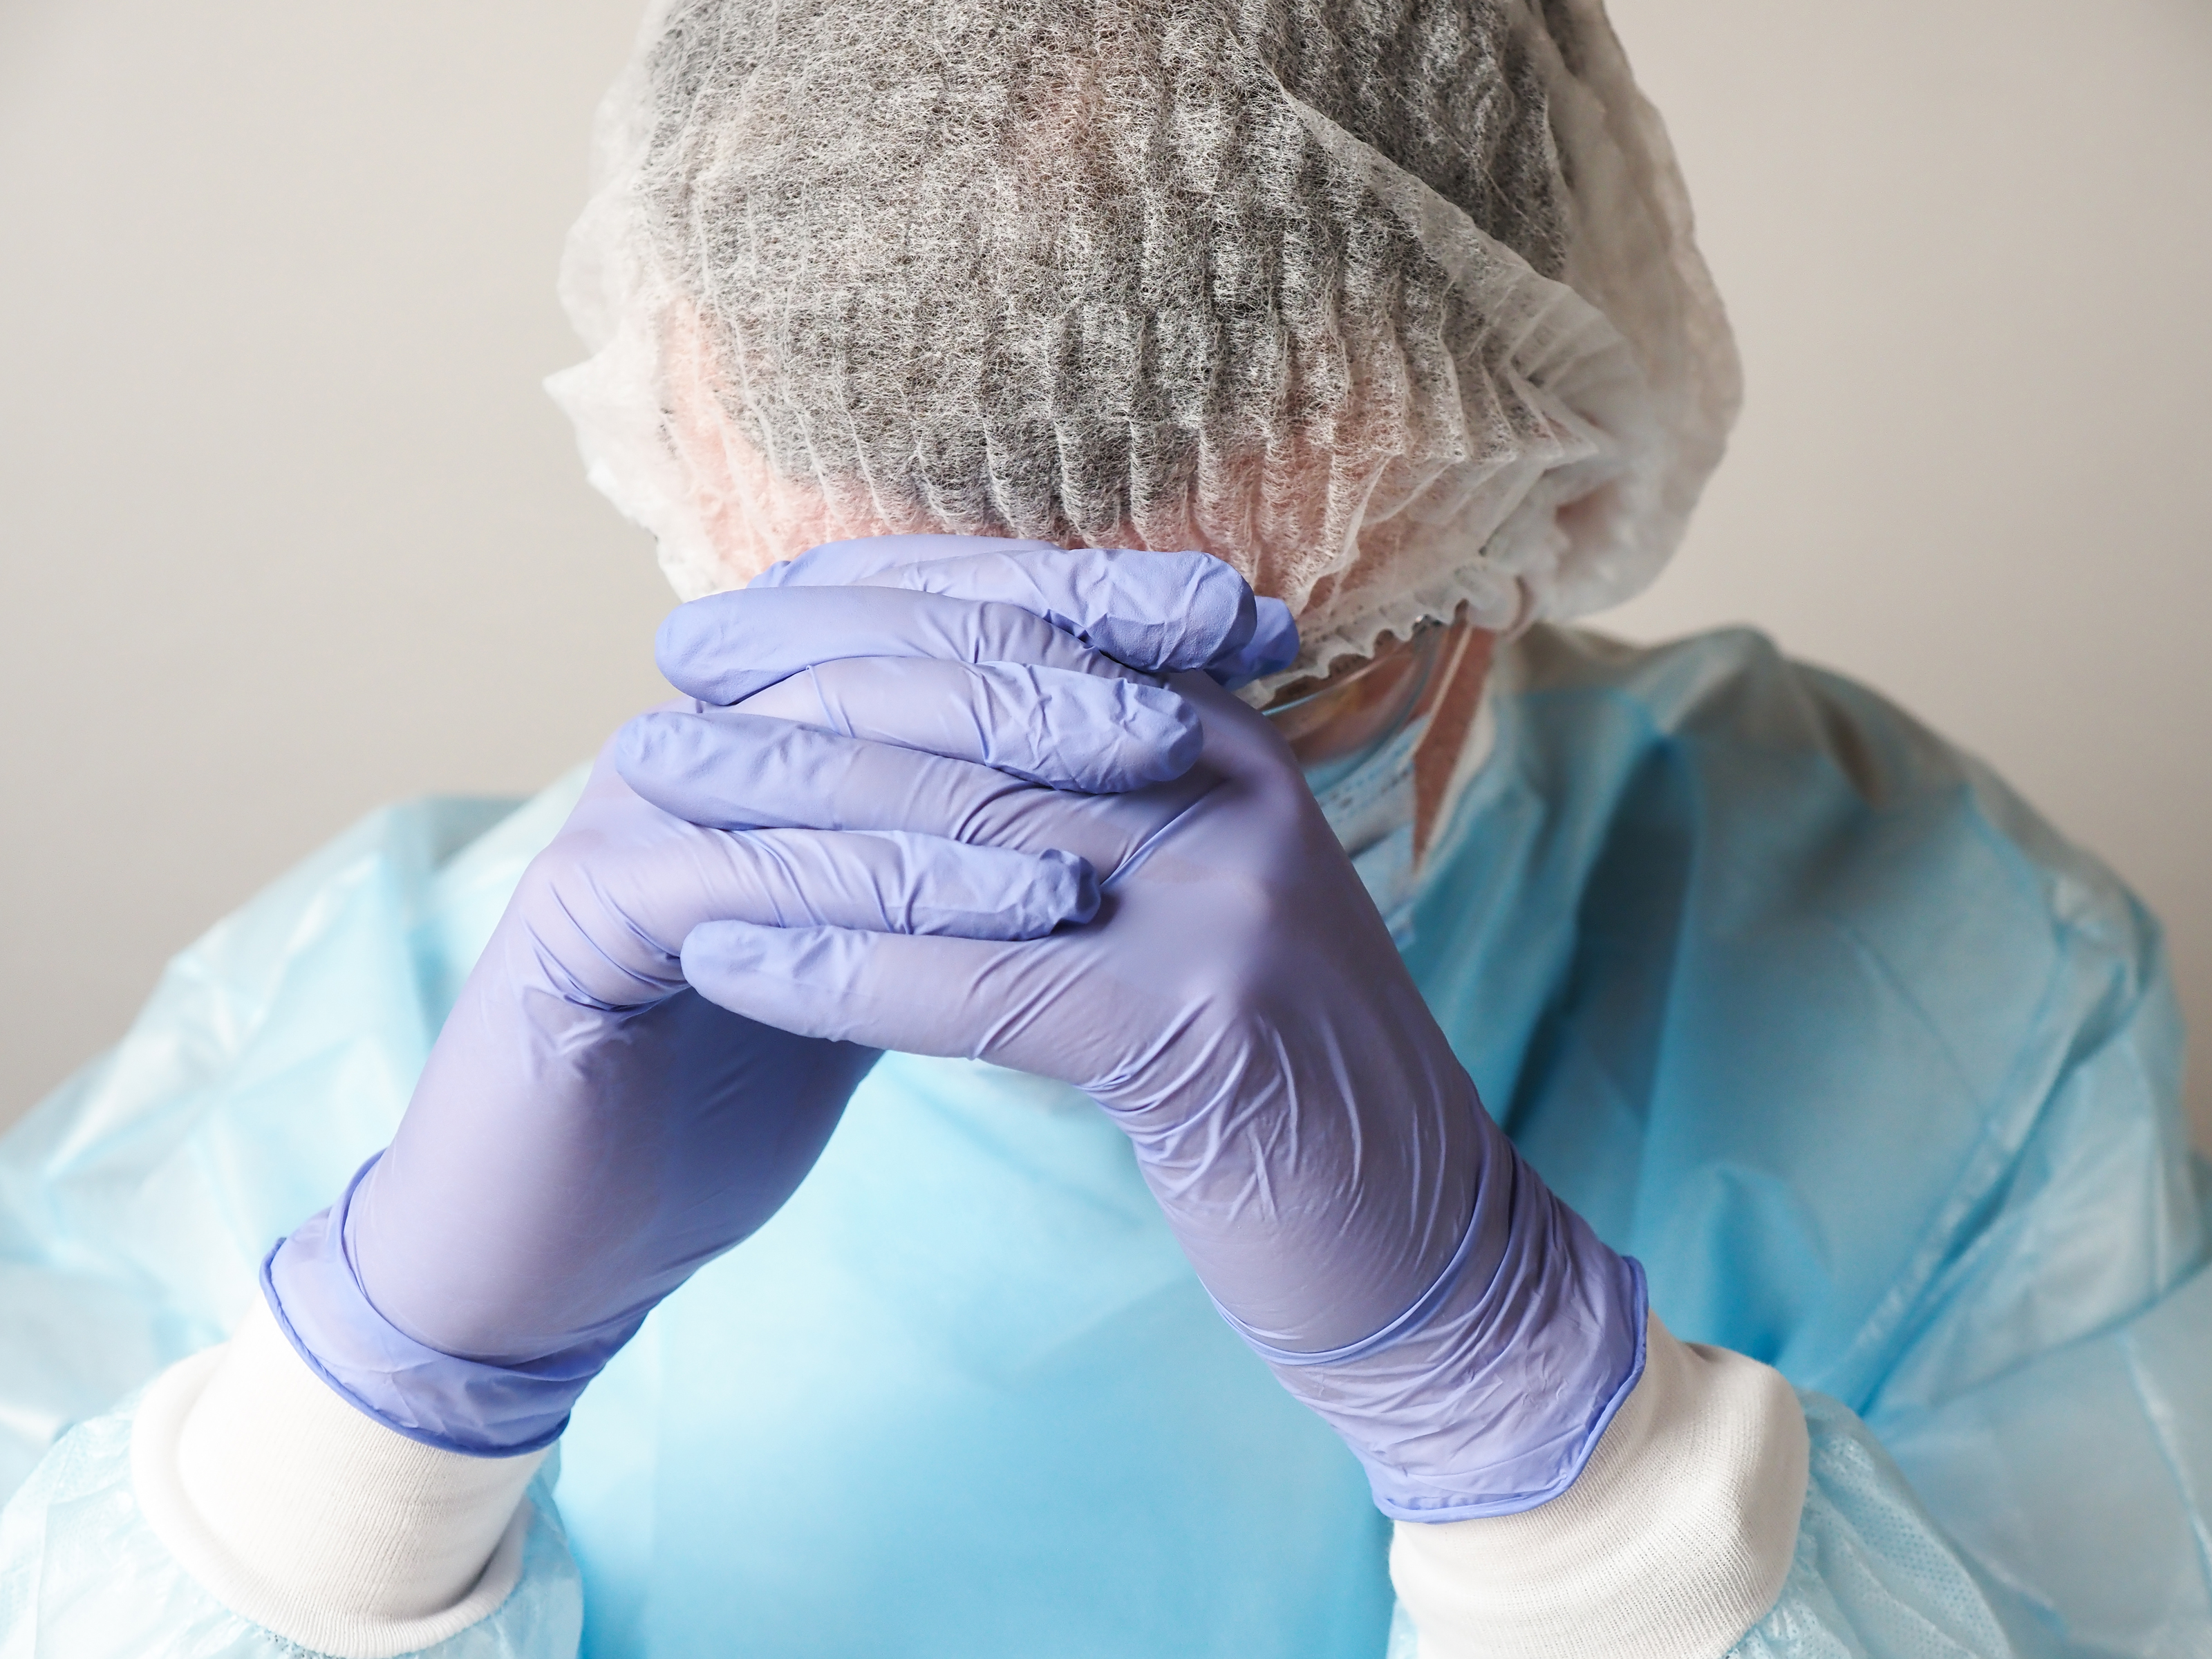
(1392,304)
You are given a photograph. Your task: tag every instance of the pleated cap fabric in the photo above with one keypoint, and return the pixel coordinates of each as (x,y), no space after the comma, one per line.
(1394,304)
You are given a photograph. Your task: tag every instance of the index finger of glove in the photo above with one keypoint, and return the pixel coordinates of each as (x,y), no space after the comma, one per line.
(1041,724)
(900,883)
(1162,611)
(600,914)
(725,648)
(728,770)
(1006,1001)
(855,987)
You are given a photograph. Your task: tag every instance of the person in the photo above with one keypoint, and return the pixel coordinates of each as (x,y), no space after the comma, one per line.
(1155,1052)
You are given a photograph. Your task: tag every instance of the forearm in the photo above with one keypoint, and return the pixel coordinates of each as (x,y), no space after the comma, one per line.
(1672,1542)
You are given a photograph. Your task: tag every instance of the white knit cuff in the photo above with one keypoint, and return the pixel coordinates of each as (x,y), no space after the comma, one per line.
(310,1518)
(1672,1541)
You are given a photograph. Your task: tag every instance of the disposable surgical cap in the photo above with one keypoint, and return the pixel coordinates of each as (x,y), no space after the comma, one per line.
(1391,303)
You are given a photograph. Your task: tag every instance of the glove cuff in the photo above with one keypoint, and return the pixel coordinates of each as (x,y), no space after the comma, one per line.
(1675,1540)
(1439,1405)
(437,1399)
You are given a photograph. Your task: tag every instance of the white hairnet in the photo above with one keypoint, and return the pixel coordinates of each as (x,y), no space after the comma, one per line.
(1391,303)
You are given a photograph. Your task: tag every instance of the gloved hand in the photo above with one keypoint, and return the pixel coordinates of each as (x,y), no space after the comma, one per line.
(588,1131)
(1236,1005)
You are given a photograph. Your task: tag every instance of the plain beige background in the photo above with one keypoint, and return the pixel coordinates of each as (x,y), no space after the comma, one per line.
(286,528)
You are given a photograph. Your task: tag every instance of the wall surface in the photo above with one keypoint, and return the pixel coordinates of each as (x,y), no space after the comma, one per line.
(286,528)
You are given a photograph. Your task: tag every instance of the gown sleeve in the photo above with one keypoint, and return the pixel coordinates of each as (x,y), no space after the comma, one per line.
(2033,1478)
(2027,1470)
(135,1204)
(84,1572)
(2077,1483)
(1866,1574)
(1881,1079)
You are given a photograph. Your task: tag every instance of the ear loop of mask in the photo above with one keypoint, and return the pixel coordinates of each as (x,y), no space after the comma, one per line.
(1367,789)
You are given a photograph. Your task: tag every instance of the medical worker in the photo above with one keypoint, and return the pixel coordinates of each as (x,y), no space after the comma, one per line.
(1154,1055)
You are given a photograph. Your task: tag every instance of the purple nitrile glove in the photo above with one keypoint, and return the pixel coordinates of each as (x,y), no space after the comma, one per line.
(1239,1008)
(588,1130)
(1154,610)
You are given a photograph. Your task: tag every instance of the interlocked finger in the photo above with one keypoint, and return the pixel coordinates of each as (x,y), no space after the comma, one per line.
(1041,724)
(731,769)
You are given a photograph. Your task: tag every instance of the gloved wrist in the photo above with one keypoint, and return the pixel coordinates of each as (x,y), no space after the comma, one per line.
(1674,1540)
(1439,1405)
(440,1400)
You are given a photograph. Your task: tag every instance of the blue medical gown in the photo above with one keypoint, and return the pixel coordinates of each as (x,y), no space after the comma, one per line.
(1797,1003)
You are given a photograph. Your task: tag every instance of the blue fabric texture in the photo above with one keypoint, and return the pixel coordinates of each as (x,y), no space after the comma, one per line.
(1876,1077)
(82,1575)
